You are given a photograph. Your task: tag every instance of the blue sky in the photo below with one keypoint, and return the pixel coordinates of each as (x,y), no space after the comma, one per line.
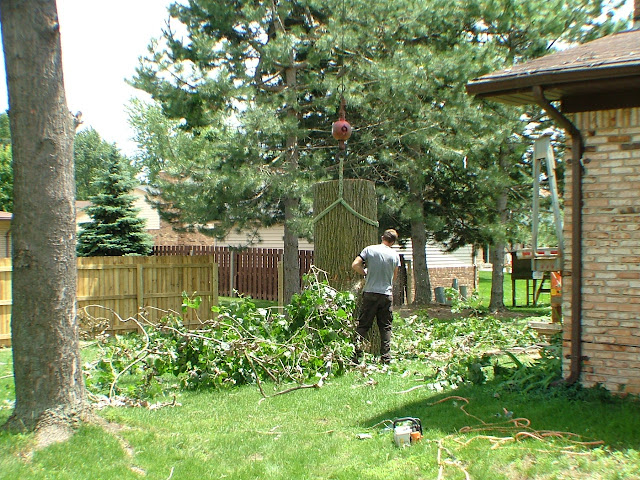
(101,43)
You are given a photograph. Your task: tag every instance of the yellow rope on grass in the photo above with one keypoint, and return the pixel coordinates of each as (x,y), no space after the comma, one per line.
(515,429)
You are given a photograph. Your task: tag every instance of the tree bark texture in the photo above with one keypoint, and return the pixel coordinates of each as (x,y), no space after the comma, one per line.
(419,246)
(44,330)
(496,302)
(420,267)
(290,258)
(339,236)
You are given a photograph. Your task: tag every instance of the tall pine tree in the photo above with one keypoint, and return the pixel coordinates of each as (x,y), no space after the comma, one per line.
(248,77)
(115,228)
(442,161)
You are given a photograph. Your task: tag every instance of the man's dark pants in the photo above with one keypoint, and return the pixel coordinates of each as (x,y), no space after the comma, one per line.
(379,306)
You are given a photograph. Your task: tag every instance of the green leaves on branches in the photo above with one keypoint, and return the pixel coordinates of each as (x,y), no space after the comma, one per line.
(243,344)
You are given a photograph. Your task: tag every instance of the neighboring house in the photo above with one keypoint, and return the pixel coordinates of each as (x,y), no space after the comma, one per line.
(5,234)
(598,87)
(446,267)
(265,237)
(147,211)
(164,234)
(443,267)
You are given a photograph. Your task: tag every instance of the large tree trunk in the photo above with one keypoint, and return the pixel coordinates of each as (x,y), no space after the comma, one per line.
(290,257)
(46,356)
(496,303)
(419,247)
(420,267)
(339,236)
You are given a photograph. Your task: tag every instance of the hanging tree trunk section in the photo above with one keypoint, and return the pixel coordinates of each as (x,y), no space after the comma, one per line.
(339,236)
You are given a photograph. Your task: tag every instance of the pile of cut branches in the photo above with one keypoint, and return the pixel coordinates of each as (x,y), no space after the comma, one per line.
(242,344)
(473,350)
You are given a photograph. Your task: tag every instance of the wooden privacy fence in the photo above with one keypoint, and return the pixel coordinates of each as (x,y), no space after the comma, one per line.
(5,301)
(116,288)
(252,272)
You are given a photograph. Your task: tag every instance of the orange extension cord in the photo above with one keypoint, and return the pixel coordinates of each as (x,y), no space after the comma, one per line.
(515,429)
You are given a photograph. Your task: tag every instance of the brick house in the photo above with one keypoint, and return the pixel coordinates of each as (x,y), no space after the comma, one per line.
(597,85)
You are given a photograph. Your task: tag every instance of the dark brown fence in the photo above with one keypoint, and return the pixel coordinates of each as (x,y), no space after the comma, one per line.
(252,271)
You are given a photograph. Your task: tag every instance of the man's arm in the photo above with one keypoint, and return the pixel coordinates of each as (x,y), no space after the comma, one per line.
(395,271)
(358,266)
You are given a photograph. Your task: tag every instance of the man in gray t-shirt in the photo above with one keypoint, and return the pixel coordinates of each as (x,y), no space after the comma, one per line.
(379,265)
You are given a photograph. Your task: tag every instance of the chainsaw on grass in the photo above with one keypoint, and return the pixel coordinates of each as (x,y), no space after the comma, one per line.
(406,430)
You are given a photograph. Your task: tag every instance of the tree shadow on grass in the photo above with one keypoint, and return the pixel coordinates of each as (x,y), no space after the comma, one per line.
(584,415)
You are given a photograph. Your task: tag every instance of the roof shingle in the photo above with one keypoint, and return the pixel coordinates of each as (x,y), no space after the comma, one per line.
(611,63)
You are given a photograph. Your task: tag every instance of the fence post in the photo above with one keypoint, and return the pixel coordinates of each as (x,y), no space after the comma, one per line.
(214,282)
(409,264)
(140,292)
(232,273)
(280,283)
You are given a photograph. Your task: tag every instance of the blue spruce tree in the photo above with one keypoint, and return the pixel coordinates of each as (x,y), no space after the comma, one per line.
(115,228)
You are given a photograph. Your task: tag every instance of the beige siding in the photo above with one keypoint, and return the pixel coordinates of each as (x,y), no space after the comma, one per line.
(267,237)
(5,238)
(147,211)
(611,250)
(438,258)
(445,267)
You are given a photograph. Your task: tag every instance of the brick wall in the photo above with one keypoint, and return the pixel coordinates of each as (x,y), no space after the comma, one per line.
(443,277)
(611,250)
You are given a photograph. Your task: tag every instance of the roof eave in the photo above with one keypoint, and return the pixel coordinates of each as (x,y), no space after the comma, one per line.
(508,88)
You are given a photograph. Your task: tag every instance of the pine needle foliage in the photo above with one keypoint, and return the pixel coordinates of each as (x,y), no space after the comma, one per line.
(115,228)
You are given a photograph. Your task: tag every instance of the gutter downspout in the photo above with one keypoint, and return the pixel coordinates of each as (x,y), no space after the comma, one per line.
(577,150)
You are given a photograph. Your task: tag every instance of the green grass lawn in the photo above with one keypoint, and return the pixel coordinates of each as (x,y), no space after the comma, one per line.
(313,434)
(487,431)
(484,289)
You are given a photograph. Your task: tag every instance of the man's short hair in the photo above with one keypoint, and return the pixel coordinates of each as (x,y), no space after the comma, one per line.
(390,235)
